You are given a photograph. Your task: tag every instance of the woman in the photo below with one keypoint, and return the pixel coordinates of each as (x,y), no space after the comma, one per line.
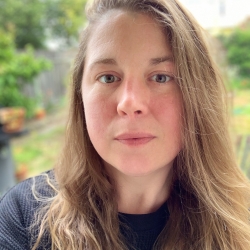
(147,162)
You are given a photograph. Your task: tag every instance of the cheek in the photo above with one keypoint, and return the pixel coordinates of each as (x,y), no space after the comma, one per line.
(97,114)
(169,113)
(169,108)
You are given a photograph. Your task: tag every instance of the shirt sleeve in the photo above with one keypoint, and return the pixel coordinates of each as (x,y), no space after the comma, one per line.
(17,213)
(13,227)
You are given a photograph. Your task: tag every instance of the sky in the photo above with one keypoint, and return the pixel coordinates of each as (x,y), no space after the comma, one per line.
(218,13)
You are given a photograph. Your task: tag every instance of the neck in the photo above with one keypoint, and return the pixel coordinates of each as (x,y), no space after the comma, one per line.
(142,194)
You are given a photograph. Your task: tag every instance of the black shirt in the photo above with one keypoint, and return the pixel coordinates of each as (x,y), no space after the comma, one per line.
(18,206)
(142,230)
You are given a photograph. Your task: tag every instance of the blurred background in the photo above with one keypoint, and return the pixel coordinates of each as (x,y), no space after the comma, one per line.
(38,42)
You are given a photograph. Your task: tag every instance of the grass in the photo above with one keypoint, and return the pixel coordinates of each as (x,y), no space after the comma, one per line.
(38,151)
(240,128)
(241,112)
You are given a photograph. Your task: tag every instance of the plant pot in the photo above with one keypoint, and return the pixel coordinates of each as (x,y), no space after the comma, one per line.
(12,119)
(22,173)
(40,114)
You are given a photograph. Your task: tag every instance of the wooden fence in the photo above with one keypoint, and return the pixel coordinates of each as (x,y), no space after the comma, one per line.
(50,86)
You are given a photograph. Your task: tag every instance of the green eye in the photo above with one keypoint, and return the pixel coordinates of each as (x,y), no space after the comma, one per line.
(108,79)
(161,78)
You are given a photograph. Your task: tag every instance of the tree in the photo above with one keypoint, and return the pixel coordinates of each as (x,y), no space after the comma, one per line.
(24,18)
(17,70)
(35,21)
(237,45)
(65,18)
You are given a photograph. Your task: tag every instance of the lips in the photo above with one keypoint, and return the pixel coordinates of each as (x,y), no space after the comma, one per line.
(135,139)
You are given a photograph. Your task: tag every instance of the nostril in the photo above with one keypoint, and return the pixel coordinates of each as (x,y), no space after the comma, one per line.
(138,112)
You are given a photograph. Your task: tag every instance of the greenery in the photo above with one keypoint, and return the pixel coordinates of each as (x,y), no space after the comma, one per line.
(16,71)
(240,128)
(24,18)
(33,154)
(237,82)
(65,17)
(35,21)
(241,112)
(237,45)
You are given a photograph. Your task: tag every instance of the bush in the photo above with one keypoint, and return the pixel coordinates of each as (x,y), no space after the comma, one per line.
(237,45)
(239,83)
(16,71)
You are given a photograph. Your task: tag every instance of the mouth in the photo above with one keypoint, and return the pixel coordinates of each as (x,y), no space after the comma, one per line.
(135,139)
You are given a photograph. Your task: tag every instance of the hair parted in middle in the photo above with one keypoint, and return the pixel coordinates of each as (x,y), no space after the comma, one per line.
(209,196)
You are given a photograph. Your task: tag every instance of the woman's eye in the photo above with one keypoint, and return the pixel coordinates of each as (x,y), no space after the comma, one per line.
(108,78)
(161,78)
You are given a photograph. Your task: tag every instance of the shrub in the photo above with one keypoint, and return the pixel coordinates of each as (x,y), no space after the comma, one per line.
(16,71)
(237,45)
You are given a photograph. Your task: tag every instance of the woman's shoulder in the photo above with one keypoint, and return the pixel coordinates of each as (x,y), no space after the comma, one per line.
(18,207)
(30,189)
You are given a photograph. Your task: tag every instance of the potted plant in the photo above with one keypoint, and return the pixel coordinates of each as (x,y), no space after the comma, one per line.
(16,71)
(12,119)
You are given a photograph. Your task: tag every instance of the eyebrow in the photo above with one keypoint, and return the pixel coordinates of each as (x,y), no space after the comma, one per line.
(111,61)
(158,60)
(108,61)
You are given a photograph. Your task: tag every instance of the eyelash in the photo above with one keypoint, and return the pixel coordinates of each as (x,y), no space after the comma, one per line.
(168,78)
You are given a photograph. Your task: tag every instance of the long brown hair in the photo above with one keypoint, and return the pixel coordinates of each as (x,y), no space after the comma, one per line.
(209,198)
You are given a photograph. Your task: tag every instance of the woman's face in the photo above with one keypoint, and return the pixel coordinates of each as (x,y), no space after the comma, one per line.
(131,100)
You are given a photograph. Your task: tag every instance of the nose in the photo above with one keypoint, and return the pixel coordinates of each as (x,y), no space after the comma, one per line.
(133,98)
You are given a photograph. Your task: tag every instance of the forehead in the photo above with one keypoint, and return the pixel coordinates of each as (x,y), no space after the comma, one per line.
(121,31)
